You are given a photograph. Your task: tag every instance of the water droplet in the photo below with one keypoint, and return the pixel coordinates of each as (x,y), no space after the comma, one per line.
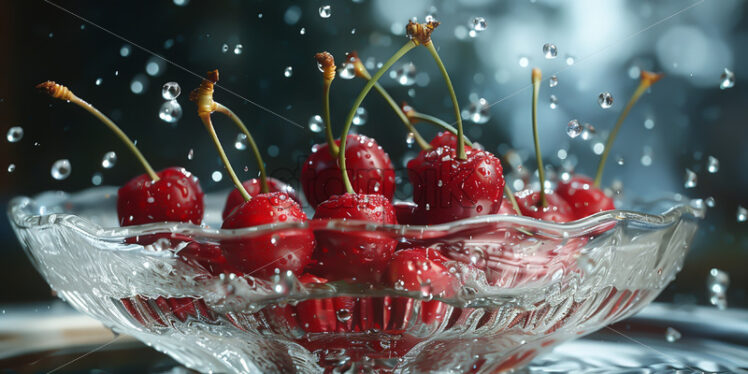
(620,160)
(570,60)
(288,71)
(15,134)
(713,165)
(588,131)
(649,124)
(742,214)
(224,48)
(139,84)
(716,284)
(99,81)
(710,202)
(690,179)
(550,50)
(605,100)
(410,139)
(325,11)
(573,129)
(170,90)
(11,168)
(598,148)
(553,101)
(124,51)
(241,142)
(343,315)
(283,282)
(238,49)
(405,74)
(316,124)
(427,292)
(61,169)
(477,24)
(191,154)
(155,66)
(727,79)
(478,112)
(553,82)
(347,71)
(524,61)
(302,31)
(109,160)
(170,111)
(216,176)
(361,116)
(181,2)
(399,285)
(672,335)
(96,179)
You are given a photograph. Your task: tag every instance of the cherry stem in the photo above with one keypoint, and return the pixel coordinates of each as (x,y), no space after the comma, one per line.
(209,126)
(61,92)
(416,135)
(326,113)
(460,136)
(647,79)
(258,156)
(536,77)
(438,123)
(364,91)
(508,192)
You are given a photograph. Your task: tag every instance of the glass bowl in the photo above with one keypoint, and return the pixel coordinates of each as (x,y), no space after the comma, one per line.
(524,286)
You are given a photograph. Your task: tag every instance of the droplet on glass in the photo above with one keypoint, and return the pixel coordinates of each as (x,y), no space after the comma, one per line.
(742,214)
(216,176)
(550,51)
(553,101)
(361,116)
(109,160)
(241,142)
(238,49)
(61,169)
(573,129)
(170,90)
(170,111)
(672,335)
(316,124)
(478,112)
(405,74)
(605,100)
(727,79)
(343,315)
(288,71)
(553,82)
(690,179)
(478,24)
(325,11)
(712,165)
(14,134)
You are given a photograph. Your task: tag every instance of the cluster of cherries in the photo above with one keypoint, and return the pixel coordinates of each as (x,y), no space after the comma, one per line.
(349,178)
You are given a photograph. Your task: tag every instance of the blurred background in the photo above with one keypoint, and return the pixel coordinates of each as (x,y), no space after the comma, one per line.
(687,135)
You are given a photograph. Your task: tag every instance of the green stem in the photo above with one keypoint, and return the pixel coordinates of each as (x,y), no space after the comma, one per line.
(538,156)
(416,135)
(508,192)
(643,86)
(326,113)
(460,136)
(438,123)
(120,134)
(346,128)
(258,156)
(209,126)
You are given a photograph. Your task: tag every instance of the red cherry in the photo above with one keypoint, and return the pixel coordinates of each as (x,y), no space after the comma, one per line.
(368,166)
(253,188)
(558,210)
(175,197)
(507,208)
(405,211)
(585,199)
(283,249)
(355,255)
(446,138)
(448,189)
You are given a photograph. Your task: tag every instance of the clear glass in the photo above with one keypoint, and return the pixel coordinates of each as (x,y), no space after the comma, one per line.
(518,296)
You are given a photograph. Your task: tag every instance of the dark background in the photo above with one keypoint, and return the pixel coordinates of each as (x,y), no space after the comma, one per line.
(608,40)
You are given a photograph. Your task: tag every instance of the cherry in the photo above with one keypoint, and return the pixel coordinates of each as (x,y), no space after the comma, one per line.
(405,211)
(556,208)
(253,187)
(446,138)
(585,199)
(447,188)
(355,255)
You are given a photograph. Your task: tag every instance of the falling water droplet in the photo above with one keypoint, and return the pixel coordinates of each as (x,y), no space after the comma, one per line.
(605,100)
(477,24)
(139,84)
(96,179)
(524,61)
(216,176)
(302,31)
(109,160)
(690,179)
(191,154)
(570,60)
(620,160)
(325,11)
(478,112)
(742,214)
(61,169)
(241,142)
(716,284)
(288,71)
(410,139)
(588,131)
(347,71)
(15,134)
(11,168)
(727,79)
(99,81)
(224,48)
(283,282)
(405,74)
(649,124)
(710,202)
(181,2)
(573,129)
(672,335)
(550,51)
(361,116)
(343,315)
(553,82)
(553,101)
(238,49)
(316,124)
(170,111)
(170,90)
(124,51)
(713,165)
